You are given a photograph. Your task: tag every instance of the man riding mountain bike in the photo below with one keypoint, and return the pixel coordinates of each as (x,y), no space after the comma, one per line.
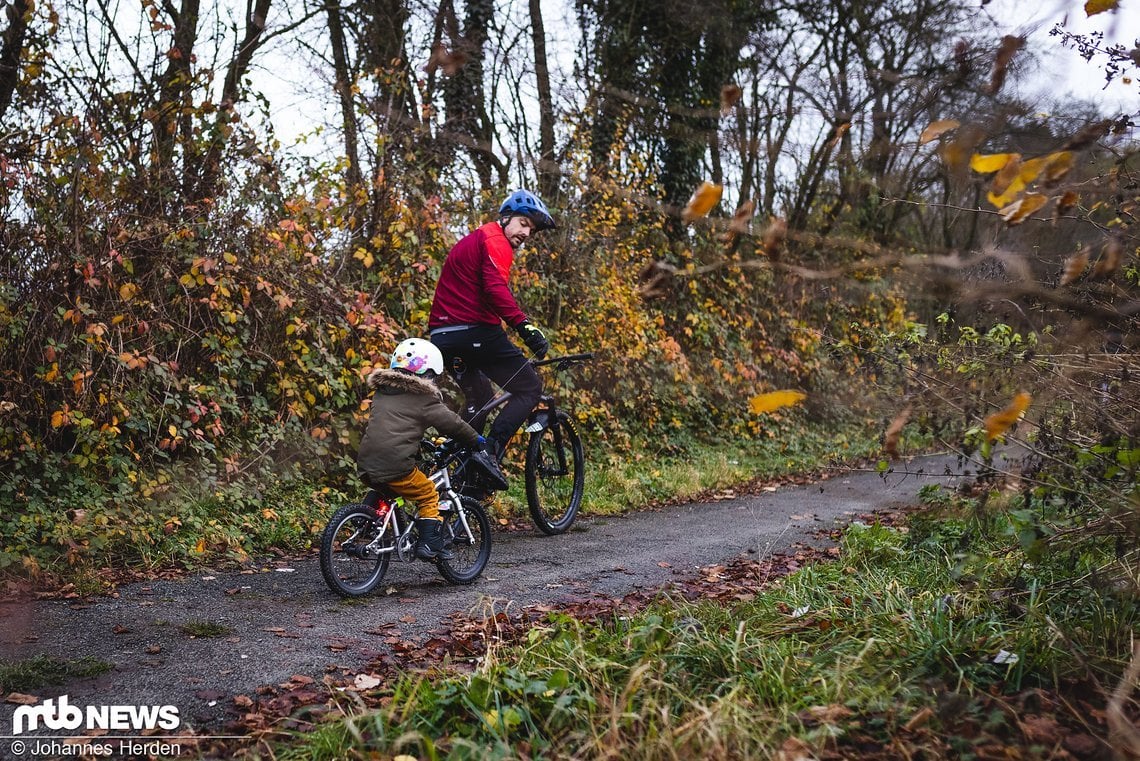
(473,299)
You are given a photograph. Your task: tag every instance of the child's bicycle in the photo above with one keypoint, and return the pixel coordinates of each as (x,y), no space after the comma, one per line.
(555,459)
(360,539)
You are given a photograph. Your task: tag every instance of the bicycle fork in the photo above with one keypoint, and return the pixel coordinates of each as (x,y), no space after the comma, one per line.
(448,498)
(546,416)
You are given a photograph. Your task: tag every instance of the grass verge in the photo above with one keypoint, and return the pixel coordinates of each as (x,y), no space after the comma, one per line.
(934,639)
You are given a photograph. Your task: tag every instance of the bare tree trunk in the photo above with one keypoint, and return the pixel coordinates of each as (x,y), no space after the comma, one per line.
(173,87)
(384,49)
(18,13)
(549,172)
(467,114)
(210,167)
(343,87)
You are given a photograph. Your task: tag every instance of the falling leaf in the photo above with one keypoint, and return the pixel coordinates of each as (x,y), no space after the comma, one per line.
(1057,166)
(127,291)
(936,129)
(999,422)
(742,217)
(451,61)
(1075,266)
(1088,135)
(704,199)
(774,400)
(774,237)
(1109,261)
(837,134)
(1007,176)
(1009,45)
(992,162)
(894,431)
(1029,170)
(1093,7)
(1018,212)
(1066,202)
(729,95)
(956,153)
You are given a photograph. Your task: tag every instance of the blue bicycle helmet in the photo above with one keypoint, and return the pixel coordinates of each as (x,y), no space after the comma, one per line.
(529,205)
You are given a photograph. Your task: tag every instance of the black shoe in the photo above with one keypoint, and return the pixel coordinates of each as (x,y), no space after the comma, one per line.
(496,448)
(430,546)
(486,471)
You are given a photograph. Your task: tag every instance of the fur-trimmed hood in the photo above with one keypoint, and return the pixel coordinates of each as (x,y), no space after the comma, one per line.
(404,407)
(400,382)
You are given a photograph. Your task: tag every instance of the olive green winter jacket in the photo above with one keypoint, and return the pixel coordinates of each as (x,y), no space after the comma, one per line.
(403,407)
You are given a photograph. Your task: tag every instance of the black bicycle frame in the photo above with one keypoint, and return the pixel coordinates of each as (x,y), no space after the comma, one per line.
(544,413)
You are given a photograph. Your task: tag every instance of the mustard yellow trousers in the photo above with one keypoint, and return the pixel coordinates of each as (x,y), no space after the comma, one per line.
(419,490)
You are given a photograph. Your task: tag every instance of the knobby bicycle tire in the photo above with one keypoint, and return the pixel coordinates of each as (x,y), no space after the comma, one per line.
(469,553)
(555,480)
(349,569)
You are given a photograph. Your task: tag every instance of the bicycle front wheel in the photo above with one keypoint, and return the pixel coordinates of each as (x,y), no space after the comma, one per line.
(354,555)
(467,530)
(555,475)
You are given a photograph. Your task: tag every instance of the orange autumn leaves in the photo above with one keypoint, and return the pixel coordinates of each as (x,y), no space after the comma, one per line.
(999,422)
(702,202)
(995,424)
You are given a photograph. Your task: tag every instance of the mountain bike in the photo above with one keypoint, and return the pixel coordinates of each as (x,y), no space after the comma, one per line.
(555,459)
(360,540)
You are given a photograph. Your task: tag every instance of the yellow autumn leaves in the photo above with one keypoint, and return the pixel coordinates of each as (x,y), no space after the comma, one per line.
(702,202)
(995,424)
(774,400)
(1012,174)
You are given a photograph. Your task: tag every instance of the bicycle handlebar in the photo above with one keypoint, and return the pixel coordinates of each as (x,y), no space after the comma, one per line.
(564,361)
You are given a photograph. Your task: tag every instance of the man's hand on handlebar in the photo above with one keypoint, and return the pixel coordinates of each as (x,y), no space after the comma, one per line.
(534,338)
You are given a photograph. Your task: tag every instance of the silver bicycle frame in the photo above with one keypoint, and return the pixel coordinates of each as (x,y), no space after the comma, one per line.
(441,479)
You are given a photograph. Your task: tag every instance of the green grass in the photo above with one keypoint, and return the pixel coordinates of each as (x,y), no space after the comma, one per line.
(838,653)
(617,483)
(41,670)
(201,628)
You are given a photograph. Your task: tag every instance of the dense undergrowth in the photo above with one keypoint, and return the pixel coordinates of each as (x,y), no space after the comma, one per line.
(940,637)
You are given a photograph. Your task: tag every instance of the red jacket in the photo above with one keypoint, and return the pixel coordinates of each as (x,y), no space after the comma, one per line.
(472,287)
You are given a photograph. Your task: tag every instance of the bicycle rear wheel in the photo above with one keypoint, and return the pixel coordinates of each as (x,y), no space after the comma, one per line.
(470,545)
(353,559)
(555,475)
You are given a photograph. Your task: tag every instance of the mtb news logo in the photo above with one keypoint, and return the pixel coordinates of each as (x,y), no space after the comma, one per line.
(62,715)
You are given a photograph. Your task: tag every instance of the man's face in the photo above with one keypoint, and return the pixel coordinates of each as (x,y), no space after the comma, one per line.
(517,230)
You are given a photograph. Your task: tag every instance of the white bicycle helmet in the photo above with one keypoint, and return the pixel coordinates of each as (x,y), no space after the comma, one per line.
(417,356)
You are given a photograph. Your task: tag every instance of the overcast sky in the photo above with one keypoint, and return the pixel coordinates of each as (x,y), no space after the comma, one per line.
(1085,79)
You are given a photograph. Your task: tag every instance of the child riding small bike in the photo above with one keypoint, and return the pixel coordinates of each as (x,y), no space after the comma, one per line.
(405,404)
